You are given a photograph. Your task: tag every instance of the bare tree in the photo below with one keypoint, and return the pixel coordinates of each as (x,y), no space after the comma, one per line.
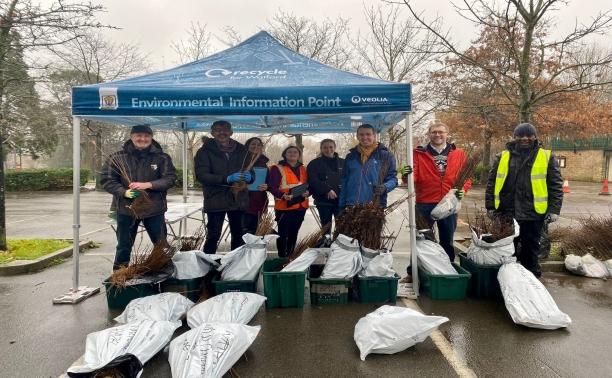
(89,58)
(396,48)
(538,62)
(38,26)
(196,46)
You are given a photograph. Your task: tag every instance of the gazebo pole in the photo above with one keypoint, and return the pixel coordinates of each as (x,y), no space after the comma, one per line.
(76,293)
(183,229)
(411,207)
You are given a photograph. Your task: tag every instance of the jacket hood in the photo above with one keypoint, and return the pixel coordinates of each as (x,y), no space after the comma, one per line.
(155,148)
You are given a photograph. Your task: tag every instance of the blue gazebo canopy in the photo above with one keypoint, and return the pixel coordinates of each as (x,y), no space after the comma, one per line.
(258,85)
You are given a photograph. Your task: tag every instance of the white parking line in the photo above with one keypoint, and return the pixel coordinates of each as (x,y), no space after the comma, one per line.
(445,347)
(94,231)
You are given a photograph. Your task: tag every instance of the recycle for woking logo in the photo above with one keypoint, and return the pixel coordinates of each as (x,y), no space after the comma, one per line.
(369,100)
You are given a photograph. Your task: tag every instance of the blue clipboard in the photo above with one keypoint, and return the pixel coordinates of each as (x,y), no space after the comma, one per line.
(260,178)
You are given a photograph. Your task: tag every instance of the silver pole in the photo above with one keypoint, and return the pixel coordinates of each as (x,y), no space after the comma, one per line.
(411,207)
(185,167)
(76,192)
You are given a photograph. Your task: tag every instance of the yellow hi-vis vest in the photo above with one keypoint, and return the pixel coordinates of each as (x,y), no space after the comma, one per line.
(538,179)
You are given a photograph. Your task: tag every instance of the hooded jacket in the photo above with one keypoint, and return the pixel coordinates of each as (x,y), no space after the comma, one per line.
(324,174)
(149,165)
(516,196)
(430,186)
(358,180)
(212,166)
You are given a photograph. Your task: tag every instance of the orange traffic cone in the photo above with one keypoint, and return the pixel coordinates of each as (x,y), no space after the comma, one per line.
(566,188)
(604,189)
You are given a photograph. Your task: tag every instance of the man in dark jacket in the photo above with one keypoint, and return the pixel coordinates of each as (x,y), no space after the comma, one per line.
(141,168)
(369,171)
(324,175)
(219,163)
(525,183)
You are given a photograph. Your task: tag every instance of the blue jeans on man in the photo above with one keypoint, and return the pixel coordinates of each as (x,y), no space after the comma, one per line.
(127,228)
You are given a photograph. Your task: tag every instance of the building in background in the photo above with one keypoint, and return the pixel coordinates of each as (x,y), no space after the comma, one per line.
(584,159)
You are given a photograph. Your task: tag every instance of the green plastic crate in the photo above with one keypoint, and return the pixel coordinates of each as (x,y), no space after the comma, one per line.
(377,289)
(483,283)
(445,286)
(282,289)
(119,297)
(239,285)
(190,288)
(324,291)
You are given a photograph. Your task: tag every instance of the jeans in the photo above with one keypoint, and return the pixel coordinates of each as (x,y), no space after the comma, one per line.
(326,213)
(127,228)
(214,226)
(529,239)
(249,223)
(289,223)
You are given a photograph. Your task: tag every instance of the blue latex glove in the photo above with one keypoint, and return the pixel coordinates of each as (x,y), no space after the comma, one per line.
(234,177)
(246,176)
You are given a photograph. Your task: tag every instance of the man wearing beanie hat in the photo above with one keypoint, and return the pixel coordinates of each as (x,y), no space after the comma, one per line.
(525,183)
(140,168)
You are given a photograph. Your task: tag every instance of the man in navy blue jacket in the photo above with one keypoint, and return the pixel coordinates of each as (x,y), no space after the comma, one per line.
(369,171)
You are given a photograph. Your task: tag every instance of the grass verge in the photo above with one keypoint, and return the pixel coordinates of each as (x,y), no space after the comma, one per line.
(30,249)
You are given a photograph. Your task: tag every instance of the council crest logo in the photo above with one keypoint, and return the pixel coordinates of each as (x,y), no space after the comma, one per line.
(108,98)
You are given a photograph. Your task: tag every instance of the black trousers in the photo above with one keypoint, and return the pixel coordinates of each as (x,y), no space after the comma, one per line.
(529,239)
(127,228)
(249,223)
(214,226)
(327,212)
(289,223)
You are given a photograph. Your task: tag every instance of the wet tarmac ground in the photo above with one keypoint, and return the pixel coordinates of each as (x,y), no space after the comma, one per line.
(41,340)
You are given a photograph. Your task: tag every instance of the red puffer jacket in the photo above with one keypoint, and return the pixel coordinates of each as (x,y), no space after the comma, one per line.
(430,186)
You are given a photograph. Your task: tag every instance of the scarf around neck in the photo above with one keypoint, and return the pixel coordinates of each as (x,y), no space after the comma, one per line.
(365,152)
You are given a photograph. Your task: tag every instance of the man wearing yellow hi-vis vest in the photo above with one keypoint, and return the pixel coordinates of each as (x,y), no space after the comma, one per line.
(525,183)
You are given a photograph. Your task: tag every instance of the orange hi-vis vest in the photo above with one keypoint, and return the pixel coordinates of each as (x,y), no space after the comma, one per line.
(288,181)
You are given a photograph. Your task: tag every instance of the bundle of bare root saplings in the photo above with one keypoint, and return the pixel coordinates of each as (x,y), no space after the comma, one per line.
(587,248)
(144,262)
(118,163)
(492,238)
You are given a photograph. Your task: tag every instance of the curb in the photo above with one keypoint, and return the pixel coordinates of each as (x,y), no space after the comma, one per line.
(28,266)
(547,266)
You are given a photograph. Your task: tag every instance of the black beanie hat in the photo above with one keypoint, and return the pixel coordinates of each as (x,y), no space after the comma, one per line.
(141,129)
(525,129)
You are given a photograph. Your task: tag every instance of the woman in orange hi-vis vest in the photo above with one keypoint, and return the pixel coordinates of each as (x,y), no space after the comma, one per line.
(287,174)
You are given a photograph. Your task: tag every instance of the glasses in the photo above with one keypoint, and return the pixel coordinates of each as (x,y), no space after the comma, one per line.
(438,132)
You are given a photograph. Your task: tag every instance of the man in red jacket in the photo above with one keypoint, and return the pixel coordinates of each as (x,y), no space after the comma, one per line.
(436,168)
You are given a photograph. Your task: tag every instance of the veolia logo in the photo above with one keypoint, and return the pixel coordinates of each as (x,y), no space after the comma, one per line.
(369,100)
(253,74)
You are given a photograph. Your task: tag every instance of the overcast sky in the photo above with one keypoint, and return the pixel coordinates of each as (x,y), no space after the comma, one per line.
(155,24)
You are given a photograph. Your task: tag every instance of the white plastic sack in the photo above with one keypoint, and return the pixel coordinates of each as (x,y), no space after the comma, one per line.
(244,262)
(593,267)
(210,350)
(527,300)
(380,265)
(193,264)
(432,258)
(573,264)
(484,253)
(143,339)
(344,260)
(392,329)
(305,260)
(164,306)
(449,205)
(608,264)
(232,307)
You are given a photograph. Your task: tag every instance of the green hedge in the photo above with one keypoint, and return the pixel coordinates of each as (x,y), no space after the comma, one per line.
(190,182)
(41,179)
